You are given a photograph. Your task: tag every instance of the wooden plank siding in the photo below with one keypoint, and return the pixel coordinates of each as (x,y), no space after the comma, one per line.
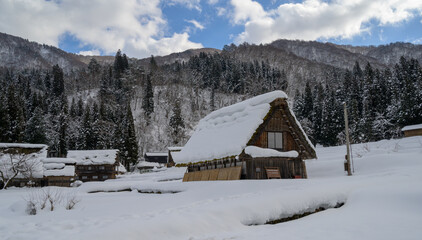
(414,132)
(231,173)
(289,168)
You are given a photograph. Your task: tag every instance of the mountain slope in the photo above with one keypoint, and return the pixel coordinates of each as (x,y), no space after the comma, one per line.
(19,53)
(388,54)
(326,53)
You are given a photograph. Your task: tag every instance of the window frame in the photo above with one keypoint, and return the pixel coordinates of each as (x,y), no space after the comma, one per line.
(277,138)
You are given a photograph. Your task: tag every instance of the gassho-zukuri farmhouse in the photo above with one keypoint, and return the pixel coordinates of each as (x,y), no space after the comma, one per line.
(259,138)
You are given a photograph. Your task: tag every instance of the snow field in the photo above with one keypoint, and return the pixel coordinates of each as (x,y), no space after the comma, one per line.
(382,201)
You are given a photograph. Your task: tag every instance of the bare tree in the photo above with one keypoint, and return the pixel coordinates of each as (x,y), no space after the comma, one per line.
(14,164)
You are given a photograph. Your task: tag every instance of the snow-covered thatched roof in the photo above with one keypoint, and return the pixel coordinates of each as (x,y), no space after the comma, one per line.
(93,157)
(225,132)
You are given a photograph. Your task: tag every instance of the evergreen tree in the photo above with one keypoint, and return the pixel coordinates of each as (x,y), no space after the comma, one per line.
(15,111)
(94,66)
(176,123)
(317,112)
(118,64)
(130,148)
(87,131)
(153,65)
(58,81)
(36,128)
(125,63)
(62,130)
(5,134)
(148,100)
(308,104)
(368,113)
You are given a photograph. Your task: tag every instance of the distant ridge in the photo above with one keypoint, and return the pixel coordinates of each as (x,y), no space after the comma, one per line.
(300,59)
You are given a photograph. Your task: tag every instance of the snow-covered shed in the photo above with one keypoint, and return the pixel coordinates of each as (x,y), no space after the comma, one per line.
(95,165)
(258,138)
(157,157)
(412,130)
(59,171)
(172,151)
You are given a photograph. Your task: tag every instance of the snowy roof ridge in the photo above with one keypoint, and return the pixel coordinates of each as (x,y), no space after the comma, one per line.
(226,131)
(93,157)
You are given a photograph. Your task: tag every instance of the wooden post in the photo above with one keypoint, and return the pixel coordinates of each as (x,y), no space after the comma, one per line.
(349,172)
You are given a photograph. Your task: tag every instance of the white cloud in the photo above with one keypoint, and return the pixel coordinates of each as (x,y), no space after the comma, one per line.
(94,52)
(316,19)
(417,41)
(190,4)
(135,26)
(196,24)
(212,2)
(221,11)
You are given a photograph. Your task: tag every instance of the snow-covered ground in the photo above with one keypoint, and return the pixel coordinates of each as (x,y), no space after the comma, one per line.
(383,200)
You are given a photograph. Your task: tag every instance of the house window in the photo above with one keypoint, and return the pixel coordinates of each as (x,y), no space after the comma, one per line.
(102,167)
(94,177)
(84,177)
(89,168)
(105,176)
(275,140)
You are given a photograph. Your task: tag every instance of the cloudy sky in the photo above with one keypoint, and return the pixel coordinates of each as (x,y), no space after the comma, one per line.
(158,27)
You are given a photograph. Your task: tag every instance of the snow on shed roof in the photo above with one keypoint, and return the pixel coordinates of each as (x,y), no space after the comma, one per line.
(22,145)
(175,148)
(225,132)
(94,157)
(412,127)
(67,171)
(156,154)
(59,160)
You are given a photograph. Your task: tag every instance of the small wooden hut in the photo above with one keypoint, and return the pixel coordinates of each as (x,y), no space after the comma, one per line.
(156,157)
(258,138)
(412,130)
(172,151)
(95,165)
(59,172)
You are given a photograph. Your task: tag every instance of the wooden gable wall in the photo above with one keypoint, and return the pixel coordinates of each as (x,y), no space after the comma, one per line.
(276,123)
(279,119)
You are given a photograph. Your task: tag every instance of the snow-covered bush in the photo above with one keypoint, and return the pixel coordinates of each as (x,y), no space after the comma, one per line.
(50,197)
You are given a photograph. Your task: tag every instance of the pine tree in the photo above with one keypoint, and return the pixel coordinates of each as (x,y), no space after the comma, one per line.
(63,125)
(36,128)
(153,65)
(130,149)
(148,100)
(58,81)
(176,123)
(125,63)
(368,113)
(318,100)
(308,104)
(5,134)
(15,111)
(87,130)
(118,64)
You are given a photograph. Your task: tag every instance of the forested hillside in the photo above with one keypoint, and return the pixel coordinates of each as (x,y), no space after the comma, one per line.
(147,105)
